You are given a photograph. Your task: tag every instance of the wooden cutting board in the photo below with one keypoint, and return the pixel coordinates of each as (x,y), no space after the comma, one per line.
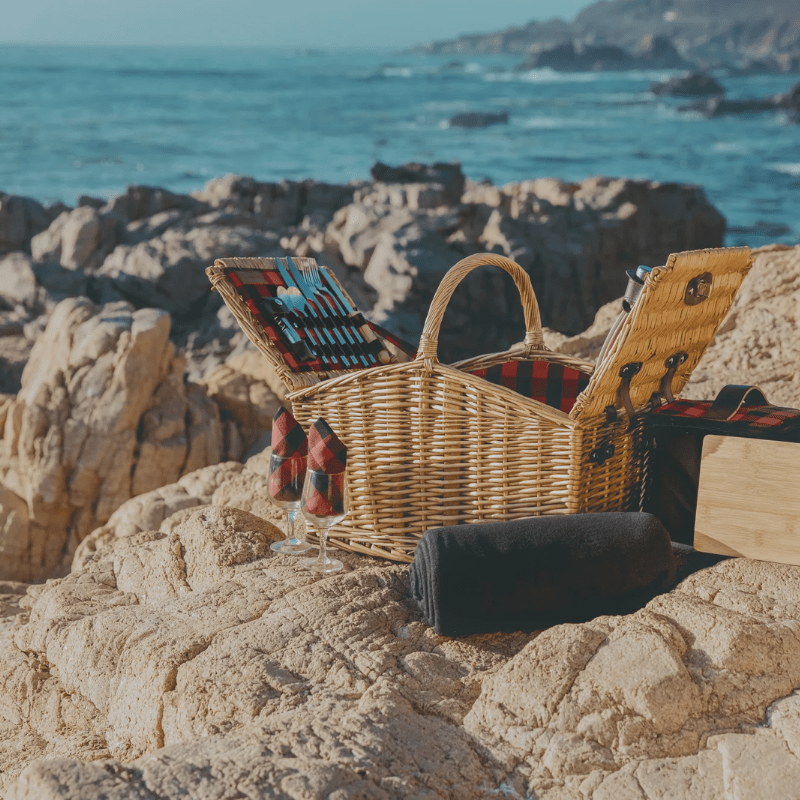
(748,499)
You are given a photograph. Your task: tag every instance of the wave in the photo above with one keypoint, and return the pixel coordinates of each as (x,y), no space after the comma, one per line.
(786,169)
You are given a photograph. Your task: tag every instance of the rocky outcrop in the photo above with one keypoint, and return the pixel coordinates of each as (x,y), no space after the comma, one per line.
(555,230)
(21,218)
(694,84)
(477,119)
(103,414)
(248,393)
(734,34)
(389,242)
(788,102)
(183,651)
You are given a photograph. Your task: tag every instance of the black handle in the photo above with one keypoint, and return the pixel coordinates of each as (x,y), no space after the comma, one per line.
(731,398)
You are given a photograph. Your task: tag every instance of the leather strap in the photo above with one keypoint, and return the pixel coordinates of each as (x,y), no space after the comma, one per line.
(731,398)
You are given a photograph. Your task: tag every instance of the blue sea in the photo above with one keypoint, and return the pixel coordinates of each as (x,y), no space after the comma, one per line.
(91,120)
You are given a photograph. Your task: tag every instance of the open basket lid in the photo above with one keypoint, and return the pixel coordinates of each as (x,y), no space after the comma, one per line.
(317,332)
(681,306)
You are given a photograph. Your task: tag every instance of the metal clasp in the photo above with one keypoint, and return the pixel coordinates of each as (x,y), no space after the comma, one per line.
(698,289)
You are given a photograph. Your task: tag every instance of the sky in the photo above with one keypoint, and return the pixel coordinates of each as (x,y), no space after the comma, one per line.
(266,23)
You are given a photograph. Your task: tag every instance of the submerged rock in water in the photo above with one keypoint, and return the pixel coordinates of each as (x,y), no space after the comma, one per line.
(693,85)
(477,119)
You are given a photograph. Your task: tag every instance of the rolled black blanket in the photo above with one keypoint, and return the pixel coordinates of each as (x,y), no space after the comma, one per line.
(531,573)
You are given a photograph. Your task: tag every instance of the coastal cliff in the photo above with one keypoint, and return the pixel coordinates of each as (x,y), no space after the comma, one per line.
(639,34)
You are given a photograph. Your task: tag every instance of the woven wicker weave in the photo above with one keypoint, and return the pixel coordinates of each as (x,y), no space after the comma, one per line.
(431,445)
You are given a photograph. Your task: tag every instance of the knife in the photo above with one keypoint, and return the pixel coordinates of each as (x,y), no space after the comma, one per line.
(359,343)
(296,345)
(310,292)
(327,353)
(360,321)
(324,315)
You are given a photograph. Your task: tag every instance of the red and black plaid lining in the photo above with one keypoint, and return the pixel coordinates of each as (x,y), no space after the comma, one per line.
(757,416)
(250,293)
(553,384)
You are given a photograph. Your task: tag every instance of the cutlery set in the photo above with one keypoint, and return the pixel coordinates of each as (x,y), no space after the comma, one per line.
(308,317)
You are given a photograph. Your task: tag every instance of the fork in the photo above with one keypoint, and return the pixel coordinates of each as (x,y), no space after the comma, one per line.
(313,276)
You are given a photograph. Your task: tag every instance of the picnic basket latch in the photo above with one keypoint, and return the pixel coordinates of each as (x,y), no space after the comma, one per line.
(626,372)
(672,364)
(698,289)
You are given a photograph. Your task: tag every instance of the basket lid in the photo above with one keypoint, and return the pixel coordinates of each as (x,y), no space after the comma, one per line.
(681,306)
(322,334)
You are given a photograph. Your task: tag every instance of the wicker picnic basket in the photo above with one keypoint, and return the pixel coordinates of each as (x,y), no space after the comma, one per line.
(432,445)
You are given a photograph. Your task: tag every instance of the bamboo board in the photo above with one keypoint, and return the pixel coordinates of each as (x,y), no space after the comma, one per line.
(748,499)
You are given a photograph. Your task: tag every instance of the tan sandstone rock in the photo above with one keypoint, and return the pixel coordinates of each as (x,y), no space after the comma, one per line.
(194,651)
(103,414)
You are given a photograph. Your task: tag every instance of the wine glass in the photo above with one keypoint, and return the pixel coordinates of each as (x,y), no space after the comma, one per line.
(286,478)
(324,504)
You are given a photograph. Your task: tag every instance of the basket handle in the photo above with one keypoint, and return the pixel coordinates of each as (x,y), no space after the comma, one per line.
(429,341)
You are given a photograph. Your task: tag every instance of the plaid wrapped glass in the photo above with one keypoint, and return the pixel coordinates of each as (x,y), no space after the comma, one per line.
(327,461)
(288,438)
(326,451)
(325,494)
(286,478)
(289,453)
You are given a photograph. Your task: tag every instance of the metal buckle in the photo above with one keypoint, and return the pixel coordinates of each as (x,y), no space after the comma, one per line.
(698,289)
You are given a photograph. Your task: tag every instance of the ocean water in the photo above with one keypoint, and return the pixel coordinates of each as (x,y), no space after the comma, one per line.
(92,120)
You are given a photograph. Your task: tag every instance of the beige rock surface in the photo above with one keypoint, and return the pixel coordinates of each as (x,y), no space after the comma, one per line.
(248,392)
(192,661)
(103,414)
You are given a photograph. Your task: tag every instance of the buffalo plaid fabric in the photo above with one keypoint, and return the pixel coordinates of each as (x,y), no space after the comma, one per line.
(288,438)
(252,294)
(756,416)
(326,451)
(327,461)
(286,478)
(325,495)
(553,384)
(289,452)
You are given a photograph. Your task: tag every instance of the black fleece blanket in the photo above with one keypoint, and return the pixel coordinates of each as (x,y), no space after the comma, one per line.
(531,573)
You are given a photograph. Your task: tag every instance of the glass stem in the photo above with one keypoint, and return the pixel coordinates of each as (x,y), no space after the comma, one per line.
(290,516)
(322,558)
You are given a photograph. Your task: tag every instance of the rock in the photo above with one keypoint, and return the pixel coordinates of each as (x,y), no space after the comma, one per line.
(718,106)
(731,35)
(445,177)
(477,119)
(790,100)
(18,285)
(168,271)
(182,647)
(15,348)
(20,219)
(79,239)
(248,393)
(692,85)
(102,414)
(557,231)
(277,205)
(580,57)
(140,202)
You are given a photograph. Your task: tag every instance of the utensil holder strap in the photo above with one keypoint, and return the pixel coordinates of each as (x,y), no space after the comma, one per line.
(429,341)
